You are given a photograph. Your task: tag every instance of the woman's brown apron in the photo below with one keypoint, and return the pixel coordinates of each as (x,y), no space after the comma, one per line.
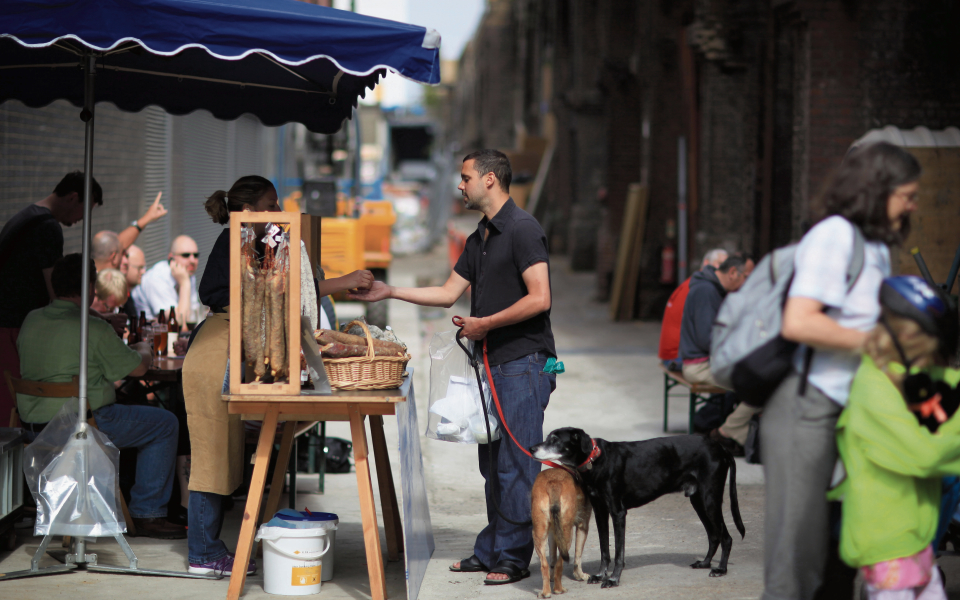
(216,438)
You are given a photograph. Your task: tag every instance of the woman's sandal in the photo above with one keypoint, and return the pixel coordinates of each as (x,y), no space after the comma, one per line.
(470,565)
(513,573)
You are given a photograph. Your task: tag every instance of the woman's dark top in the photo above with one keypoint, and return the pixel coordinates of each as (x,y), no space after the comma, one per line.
(214,289)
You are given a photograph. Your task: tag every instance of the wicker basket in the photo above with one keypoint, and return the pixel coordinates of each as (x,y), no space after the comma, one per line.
(366,372)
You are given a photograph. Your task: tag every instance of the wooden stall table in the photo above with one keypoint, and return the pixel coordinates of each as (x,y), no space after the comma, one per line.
(352,406)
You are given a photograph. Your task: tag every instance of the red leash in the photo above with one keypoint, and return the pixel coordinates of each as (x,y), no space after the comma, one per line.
(496,401)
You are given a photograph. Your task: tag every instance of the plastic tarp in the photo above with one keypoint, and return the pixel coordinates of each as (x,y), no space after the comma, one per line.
(280,60)
(65,455)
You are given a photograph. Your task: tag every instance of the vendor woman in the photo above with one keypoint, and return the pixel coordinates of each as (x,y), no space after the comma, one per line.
(216,437)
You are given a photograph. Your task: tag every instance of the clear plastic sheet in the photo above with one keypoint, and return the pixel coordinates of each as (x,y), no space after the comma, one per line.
(64,456)
(456,413)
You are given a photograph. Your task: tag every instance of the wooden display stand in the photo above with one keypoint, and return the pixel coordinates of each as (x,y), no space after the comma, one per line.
(292,300)
(272,403)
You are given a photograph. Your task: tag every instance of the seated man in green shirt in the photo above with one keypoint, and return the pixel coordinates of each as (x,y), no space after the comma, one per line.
(49,348)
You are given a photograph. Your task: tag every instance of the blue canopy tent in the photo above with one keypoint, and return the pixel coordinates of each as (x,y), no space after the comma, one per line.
(279,60)
(282,61)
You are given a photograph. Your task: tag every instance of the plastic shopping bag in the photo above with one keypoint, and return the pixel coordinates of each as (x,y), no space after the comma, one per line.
(456,412)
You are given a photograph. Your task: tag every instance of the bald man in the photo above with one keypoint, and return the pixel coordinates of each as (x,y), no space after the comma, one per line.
(171,282)
(136,264)
(107,250)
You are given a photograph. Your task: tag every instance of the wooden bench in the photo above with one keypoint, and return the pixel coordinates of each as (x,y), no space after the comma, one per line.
(699,393)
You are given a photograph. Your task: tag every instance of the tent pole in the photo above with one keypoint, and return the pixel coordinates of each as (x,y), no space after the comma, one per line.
(89,72)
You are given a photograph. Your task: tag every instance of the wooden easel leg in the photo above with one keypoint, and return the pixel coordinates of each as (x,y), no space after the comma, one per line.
(276,486)
(249,526)
(368,509)
(388,494)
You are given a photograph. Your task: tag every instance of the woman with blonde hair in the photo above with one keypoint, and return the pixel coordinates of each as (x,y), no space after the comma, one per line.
(216,437)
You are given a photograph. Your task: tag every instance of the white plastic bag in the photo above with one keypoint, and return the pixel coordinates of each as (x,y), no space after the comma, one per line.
(456,412)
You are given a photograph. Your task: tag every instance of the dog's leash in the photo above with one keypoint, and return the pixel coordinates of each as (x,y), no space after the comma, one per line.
(459,322)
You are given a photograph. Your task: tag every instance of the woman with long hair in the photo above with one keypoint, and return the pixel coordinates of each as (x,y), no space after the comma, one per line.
(874,190)
(216,437)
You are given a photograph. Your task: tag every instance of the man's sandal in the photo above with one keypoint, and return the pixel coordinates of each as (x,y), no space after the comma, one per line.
(513,573)
(470,565)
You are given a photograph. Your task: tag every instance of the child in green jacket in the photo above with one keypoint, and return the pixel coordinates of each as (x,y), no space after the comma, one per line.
(896,441)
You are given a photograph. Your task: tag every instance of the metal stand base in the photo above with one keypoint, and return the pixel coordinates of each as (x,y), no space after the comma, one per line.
(78,560)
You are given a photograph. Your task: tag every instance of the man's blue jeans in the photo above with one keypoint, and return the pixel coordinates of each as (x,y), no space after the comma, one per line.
(524,392)
(153,432)
(204,520)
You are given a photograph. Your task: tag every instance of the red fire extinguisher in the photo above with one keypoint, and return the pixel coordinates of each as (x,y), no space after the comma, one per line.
(668,264)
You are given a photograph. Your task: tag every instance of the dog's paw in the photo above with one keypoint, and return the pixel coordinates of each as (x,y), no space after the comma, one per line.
(543,595)
(559,589)
(595,579)
(610,583)
(718,572)
(580,576)
(701,564)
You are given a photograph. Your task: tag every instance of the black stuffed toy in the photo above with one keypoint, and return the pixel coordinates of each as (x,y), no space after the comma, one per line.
(931,402)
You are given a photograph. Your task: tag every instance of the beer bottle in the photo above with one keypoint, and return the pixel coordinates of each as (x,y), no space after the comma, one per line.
(161,318)
(173,332)
(142,325)
(133,337)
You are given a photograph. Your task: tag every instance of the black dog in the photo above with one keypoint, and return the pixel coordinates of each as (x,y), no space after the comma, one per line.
(618,476)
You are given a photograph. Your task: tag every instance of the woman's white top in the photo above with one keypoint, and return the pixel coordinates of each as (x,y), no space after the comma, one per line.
(820,272)
(308,293)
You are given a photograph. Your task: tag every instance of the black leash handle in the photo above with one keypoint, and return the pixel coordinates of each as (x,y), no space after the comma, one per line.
(494,475)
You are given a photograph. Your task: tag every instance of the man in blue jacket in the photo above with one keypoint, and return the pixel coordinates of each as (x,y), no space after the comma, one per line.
(707,291)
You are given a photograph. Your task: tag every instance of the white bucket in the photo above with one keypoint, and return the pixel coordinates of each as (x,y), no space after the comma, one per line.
(320,520)
(292,560)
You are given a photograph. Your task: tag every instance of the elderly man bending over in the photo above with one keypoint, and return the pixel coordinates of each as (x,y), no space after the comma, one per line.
(49,347)
(171,282)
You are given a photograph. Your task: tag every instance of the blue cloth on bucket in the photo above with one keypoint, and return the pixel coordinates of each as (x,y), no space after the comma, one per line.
(286,516)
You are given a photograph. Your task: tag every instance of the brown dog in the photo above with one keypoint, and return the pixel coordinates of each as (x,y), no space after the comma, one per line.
(558,506)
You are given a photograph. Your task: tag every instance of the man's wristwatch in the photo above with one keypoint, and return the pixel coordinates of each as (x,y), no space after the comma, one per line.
(134,223)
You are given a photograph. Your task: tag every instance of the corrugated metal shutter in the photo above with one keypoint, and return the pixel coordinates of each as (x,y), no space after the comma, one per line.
(155,239)
(38,146)
(202,147)
(248,159)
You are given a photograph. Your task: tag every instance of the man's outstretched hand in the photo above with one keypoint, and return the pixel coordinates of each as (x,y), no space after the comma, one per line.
(378,291)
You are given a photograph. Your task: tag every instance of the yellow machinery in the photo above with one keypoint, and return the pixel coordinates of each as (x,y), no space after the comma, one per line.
(349,243)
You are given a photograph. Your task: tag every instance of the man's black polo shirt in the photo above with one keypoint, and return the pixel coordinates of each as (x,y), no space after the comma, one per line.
(495,269)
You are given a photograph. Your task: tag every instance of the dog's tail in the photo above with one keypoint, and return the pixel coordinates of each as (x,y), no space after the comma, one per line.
(560,535)
(734,505)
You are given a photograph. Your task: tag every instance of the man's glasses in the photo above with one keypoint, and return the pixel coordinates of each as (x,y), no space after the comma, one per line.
(188,254)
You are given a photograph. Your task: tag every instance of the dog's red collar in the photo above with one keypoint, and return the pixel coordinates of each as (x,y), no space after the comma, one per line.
(594,455)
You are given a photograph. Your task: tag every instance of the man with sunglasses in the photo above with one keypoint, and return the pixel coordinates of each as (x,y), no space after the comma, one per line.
(171,282)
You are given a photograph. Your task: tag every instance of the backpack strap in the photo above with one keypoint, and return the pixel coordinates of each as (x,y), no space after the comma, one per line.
(854,269)
(859,258)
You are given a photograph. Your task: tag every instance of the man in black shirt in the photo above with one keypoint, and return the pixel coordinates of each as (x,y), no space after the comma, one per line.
(30,243)
(507,266)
